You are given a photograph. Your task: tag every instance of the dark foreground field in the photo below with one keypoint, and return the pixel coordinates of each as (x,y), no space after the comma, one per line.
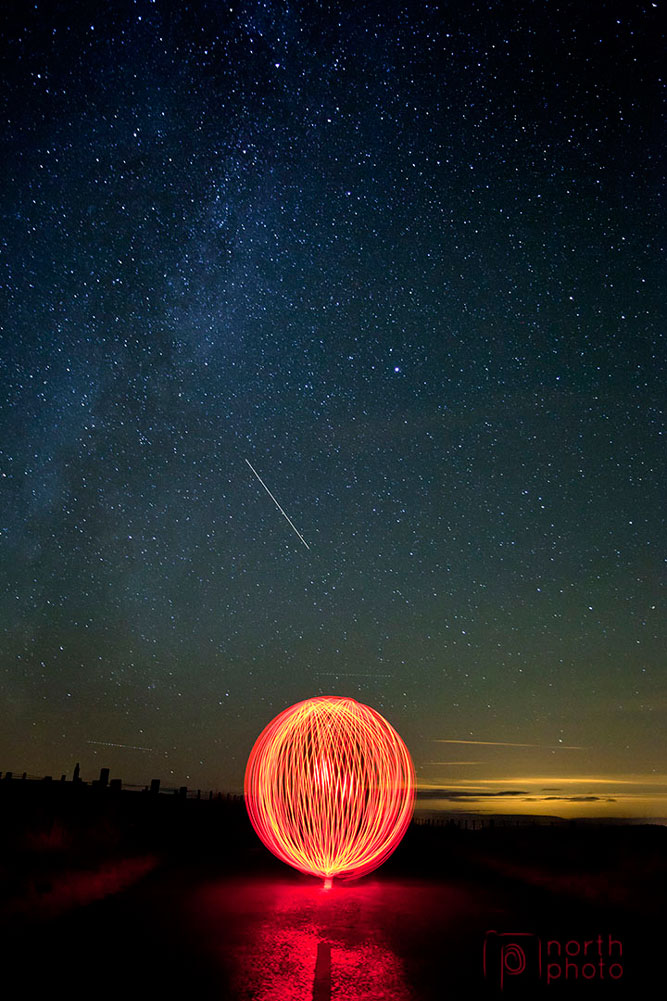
(132,898)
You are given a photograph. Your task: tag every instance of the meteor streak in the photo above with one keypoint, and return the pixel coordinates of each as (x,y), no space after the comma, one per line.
(284,514)
(506,743)
(347,674)
(110,743)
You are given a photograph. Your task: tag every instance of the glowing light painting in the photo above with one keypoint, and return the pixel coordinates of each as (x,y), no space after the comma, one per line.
(329,787)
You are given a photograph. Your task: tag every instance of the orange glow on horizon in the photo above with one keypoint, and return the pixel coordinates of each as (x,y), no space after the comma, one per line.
(329,787)
(627,795)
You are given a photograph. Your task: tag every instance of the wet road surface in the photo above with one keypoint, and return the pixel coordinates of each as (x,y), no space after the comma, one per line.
(185,931)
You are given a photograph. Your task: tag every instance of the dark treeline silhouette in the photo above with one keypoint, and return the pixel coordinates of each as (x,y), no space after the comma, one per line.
(116,869)
(51,828)
(55,833)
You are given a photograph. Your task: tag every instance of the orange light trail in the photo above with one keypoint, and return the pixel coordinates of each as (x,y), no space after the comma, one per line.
(330,787)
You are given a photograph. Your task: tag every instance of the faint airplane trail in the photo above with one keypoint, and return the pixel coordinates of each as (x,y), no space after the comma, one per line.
(284,514)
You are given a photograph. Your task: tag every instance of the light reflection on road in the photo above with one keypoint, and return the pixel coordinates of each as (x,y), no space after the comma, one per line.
(265,934)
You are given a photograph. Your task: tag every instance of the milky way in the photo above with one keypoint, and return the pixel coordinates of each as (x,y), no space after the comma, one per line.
(410,259)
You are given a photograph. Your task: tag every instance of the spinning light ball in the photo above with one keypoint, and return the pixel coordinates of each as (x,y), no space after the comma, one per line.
(329,787)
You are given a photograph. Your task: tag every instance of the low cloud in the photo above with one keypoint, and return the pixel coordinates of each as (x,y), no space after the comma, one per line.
(583,799)
(454,794)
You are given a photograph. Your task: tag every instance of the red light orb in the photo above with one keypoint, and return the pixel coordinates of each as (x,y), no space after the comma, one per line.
(329,787)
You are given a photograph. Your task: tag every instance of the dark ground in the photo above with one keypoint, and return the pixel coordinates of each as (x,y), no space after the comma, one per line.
(125,895)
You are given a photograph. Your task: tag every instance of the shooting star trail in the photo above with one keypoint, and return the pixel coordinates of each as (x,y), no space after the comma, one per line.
(128,747)
(284,514)
(506,743)
(347,674)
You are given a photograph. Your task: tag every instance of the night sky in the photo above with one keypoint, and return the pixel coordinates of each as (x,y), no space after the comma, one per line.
(405,259)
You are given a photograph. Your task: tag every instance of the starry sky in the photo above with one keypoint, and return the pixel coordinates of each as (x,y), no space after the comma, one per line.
(405,259)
